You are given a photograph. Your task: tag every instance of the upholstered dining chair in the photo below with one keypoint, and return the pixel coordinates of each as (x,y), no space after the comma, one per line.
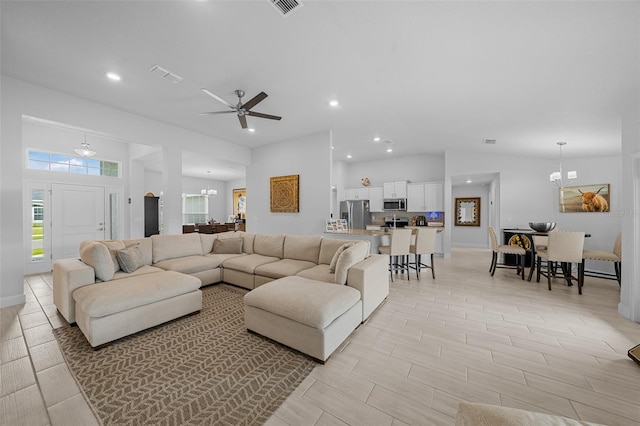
(399,248)
(504,249)
(614,256)
(425,245)
(564,247)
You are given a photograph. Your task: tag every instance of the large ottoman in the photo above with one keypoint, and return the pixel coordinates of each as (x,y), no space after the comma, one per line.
(110,310)
(310,316)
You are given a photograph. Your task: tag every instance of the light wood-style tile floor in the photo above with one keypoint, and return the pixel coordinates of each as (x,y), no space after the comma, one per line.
(433,343)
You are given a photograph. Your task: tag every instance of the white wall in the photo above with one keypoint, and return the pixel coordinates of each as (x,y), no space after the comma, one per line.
(416,168)
(471,236)
(19,98)
(308,157)
(526,195)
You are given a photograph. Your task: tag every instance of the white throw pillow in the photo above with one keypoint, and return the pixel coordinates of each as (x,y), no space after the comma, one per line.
(114,246)
(334,259)
(97,256)
(349,257)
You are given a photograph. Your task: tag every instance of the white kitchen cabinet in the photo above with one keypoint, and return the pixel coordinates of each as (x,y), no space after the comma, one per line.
(375,199)
(395,189)
(356,193)
(425,197)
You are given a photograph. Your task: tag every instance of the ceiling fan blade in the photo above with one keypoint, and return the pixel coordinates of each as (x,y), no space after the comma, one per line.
(254,101)
(218,98)
(261,115)
(215,112)
(243,121)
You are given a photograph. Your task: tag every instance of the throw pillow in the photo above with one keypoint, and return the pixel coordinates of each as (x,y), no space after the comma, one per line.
(334,259)
(227,246)
(349,257)
(130,258)
(98,257)
(113,246)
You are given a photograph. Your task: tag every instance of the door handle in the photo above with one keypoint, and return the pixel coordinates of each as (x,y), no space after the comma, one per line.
(100,229)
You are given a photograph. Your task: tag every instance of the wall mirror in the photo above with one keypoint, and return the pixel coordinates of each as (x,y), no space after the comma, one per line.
(468,211)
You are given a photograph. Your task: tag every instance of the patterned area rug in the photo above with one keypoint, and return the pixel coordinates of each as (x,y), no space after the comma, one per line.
(201,369)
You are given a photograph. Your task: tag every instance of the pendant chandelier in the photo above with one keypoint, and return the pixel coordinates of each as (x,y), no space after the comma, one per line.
(85,150)
(208,191)
(556,177)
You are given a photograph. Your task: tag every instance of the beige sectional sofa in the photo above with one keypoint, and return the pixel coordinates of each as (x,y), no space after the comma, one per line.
(163,275)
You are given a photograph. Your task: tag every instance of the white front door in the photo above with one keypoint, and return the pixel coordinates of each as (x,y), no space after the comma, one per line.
(78,214)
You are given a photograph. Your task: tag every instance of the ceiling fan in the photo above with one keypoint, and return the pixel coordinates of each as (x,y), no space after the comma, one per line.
(242,109)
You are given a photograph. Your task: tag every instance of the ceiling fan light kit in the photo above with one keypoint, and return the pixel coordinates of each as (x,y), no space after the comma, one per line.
(241,109)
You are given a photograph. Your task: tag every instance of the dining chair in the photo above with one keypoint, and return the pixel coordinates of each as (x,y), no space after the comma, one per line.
(564,247)
(614,256)
(504,249)
(425,245)
(399,248)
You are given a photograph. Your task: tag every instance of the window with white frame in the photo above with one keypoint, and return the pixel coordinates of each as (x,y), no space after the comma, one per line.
(195,208)
(40,160)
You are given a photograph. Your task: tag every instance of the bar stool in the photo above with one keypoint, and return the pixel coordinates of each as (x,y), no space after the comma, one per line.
(398,248)
(425,244)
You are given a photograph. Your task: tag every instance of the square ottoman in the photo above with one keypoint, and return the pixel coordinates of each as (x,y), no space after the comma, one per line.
(310,316)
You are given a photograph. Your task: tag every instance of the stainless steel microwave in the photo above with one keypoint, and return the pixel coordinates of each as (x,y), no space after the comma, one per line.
(396,204)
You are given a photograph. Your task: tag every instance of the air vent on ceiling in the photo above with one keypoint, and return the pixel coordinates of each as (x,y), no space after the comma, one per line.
(489,141)
(165,74)
(285,7)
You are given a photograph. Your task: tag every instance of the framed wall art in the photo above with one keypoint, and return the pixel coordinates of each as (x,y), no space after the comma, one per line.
(584,198)
(240,202)
(467,211)
(284,193)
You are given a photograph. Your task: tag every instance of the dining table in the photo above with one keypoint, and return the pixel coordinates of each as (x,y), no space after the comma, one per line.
(524,238)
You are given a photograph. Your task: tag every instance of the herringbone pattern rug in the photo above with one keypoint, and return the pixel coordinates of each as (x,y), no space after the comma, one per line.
(204,369)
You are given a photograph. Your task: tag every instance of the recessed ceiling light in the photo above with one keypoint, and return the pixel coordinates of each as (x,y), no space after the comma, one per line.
(334,103)
(113,76)
(333,147)
(469,180)
(348,155)
(376,139)
(389,150)
(251,129)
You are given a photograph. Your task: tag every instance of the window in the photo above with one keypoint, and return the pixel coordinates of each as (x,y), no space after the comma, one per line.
(195,208)
(39,160)
(37,225)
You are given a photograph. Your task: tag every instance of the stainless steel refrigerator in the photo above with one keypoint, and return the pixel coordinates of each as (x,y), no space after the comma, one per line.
(356,212)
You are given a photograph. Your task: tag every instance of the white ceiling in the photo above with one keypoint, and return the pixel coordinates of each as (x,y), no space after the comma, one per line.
(430,76)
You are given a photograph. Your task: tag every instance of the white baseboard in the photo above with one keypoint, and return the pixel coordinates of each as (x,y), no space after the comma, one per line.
(18,299)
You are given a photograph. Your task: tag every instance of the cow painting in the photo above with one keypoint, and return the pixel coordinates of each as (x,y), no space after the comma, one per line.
(585,198)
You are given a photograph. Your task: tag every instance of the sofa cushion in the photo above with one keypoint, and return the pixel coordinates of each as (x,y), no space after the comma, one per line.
(269,245)
(99,300)
(248,263)
(247,245)
(145,245)
(228,246)
(173,246)
(328,247)
(218,259)
(319,273)
(207,242)
(188,264)
(472,414)
(114,246)
(144,269)
(283,268)
(302,247)
(308,302)
(98,257)
(349,257)
(336,256)
(130,258)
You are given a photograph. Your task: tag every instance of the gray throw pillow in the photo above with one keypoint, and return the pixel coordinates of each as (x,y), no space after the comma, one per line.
(227,246)
(130,258)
